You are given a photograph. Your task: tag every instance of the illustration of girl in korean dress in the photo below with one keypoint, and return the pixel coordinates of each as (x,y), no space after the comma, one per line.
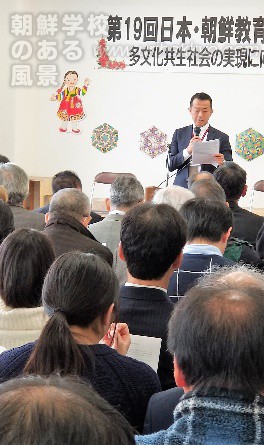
(71,108)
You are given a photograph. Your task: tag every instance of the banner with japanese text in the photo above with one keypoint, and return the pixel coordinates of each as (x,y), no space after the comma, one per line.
(178,43)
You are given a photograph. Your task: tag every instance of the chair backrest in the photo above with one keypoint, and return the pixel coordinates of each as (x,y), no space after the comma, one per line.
(257,187)
(106,178)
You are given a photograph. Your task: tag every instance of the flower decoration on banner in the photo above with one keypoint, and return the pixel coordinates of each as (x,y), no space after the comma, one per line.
(153,142)
(104,138)
(249,144)
(104,60)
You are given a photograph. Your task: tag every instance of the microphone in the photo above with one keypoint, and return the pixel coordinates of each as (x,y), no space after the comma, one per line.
(197,131)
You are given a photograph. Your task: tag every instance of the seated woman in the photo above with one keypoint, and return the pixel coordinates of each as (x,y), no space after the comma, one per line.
(25,256)
(80,294)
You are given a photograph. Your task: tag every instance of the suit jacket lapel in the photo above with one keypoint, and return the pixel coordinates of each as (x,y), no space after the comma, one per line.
(211,134)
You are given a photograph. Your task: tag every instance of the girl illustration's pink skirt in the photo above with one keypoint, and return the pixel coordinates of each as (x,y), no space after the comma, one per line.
(71,109)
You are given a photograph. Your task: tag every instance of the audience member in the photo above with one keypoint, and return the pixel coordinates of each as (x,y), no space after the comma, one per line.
(58,410)
(173,195)
(67,179)
(80,295)
(16,182)
(233,180)
(125,193)
(152,238)
(209,224)
(6,221)
(216,336)
(237,250)
(25,256)
(67,221)
(198,176)
(3,159)
(208,189)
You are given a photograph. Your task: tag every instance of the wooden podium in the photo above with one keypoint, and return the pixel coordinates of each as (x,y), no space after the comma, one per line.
(150,192)
(40,192)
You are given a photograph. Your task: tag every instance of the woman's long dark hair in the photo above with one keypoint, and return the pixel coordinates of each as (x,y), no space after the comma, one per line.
(25,257)
(79,288)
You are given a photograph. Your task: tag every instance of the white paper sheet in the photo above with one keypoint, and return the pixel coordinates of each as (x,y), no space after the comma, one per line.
(146,349)
(203,152)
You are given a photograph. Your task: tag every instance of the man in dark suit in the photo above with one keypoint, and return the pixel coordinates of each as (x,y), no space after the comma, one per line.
(217,324)
(152,238)
(66,225)
(232,179)
(63,180)
(180,154)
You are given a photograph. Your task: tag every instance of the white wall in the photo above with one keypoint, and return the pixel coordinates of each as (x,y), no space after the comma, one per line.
(129,101)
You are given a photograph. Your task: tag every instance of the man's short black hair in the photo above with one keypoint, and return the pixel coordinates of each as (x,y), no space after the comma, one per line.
(206,219)
(58,410)
(216,335)
(65,179)
(152,236)
(201,96)
(3,159)
(232,179)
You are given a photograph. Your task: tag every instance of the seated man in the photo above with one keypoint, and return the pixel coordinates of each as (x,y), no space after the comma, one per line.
(125,193)
(216,336)
(209,225)
(58,410)
(63,180)
(16,183)
(233,180)
(152,238)
(173,195)
(67,221)
(237,250)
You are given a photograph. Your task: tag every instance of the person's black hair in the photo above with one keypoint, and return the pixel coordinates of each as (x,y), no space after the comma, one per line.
(206,219)
(25,256)
(78,289)
(152,236)
(216,335)
(3,159)
(6,220)
(201,96)
(232,179)
(58,410)
(65,179)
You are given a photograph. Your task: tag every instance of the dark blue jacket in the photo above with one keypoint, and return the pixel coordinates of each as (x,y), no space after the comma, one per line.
(180,141)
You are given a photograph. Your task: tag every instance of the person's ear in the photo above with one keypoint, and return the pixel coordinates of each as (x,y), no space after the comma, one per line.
(47,217)
(108,318)
(244,191)
(107,204)
(120,252)
(178,260)
(86,220)
(226,235)
(178,375)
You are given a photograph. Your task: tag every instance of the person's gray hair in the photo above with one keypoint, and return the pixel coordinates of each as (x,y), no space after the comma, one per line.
(71,202)
(126,191)
(208,189)
(15,181)
(173,195)
(237,276)
(199,176)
